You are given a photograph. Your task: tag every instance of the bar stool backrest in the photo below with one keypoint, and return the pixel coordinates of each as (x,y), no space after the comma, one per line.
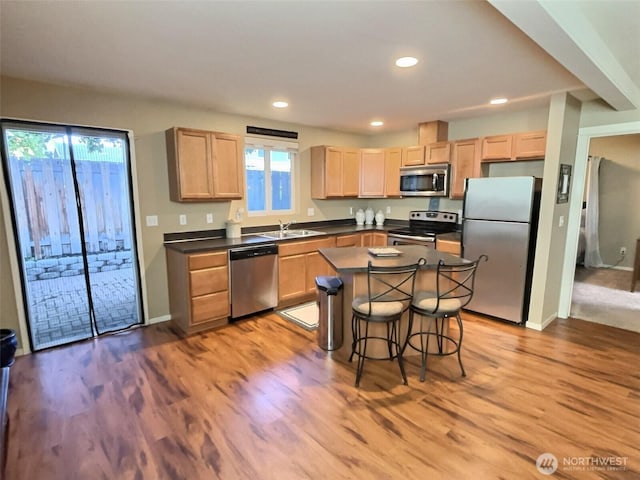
(391,284)
(456,281)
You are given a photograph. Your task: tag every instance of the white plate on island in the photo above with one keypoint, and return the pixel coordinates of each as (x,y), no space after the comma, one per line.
(384,252)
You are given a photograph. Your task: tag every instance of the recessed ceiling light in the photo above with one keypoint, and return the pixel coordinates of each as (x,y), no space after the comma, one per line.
(498,101)
(377,123)
(280,104)
(405,62)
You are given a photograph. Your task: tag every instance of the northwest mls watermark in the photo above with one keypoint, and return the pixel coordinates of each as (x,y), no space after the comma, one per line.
(547,464)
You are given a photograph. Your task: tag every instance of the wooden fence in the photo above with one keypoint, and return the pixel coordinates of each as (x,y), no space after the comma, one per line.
(280,190)
(47,214)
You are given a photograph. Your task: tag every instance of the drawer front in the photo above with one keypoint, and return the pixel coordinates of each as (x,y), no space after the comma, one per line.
(297,248)
(354,240)
(208,280)
(207,260)
(208,307)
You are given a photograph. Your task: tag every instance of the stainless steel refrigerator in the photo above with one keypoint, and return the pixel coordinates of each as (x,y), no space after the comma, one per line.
(501,221)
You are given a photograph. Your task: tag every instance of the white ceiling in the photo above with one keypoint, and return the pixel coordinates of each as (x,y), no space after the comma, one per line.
(332,60)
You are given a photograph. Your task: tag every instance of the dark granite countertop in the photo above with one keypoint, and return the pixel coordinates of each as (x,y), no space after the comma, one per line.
(197,245)
(452,237)
(356,259)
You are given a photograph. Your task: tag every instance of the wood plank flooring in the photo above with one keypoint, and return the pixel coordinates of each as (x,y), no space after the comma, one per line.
(259,400)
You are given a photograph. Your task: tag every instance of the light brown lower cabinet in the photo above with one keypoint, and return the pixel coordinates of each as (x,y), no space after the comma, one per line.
(198,290)
(374,239)
(449,246)
(365,239)
(299,263)
(350,240)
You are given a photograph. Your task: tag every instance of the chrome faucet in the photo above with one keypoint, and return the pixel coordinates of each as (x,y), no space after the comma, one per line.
(284,227)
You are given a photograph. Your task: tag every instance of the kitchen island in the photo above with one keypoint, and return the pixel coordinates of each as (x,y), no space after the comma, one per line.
(351,264)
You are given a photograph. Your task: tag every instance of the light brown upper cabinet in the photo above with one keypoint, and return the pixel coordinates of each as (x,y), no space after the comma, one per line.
(439,152)
(497,147)
(372,172)
(380,172)
(517,146)
(465,163)
(432,132)
(392,162)
(335,172)
(413,156)
(530,144)
(203,165)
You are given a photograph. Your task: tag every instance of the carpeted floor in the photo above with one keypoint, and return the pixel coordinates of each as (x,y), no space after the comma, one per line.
(602,295)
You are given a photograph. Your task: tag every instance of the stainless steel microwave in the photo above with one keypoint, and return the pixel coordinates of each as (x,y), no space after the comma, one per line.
(426,181)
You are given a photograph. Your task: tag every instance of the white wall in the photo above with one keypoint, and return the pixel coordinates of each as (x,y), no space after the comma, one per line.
(619,224)
(148,119)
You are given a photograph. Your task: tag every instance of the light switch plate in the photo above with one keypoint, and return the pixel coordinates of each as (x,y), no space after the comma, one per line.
(183,219)
(388,210)
(152,220)
(561,221)
(311,212)
(209,217)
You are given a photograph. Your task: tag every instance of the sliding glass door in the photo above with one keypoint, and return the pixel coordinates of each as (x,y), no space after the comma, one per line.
(70,190)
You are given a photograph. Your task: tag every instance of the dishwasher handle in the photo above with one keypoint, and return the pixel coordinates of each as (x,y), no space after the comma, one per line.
(252,252)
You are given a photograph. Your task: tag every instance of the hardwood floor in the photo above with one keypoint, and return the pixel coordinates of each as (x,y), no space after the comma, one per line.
(259,400)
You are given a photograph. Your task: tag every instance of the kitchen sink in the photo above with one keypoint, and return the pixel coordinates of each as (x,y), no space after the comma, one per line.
(277,234)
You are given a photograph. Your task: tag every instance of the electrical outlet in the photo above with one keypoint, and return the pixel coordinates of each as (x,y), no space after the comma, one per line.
(388,210)
(623,251)
(183,219)
(350,210)
(311,212)
(209,217)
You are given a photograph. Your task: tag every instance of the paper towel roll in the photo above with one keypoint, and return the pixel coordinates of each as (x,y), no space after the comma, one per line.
(233,229)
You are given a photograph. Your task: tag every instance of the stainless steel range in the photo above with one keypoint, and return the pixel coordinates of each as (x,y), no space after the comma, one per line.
(424,225)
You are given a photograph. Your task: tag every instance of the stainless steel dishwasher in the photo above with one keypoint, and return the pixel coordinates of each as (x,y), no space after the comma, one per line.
(254,279)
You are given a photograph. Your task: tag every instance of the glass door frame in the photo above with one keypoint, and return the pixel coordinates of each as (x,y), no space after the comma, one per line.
(13,241)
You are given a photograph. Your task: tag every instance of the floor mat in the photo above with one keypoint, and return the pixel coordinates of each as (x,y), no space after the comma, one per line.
(305,315)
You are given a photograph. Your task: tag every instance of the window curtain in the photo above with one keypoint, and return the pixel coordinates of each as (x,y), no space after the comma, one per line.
(592,257)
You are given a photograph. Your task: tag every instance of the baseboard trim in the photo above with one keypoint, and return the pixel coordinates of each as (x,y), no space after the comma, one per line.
(163,318)
(626,269)
(545,323)
(160,319)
